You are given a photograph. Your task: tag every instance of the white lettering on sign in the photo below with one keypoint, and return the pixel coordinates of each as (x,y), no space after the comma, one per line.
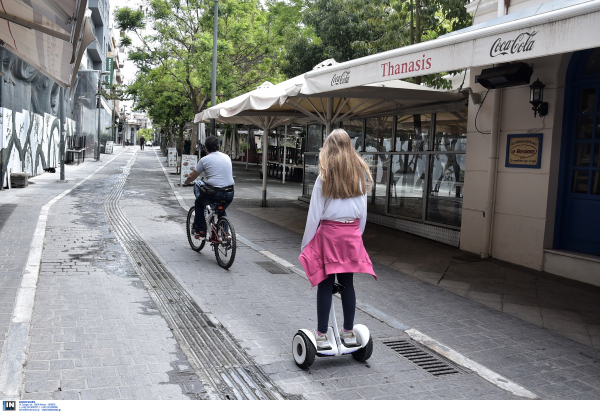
(341,79)
(522,43)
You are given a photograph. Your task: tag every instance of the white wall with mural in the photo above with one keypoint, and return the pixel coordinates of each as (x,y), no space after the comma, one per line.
(31,142)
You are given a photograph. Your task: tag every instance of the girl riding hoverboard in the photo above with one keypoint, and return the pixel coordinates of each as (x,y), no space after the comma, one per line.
(332,246)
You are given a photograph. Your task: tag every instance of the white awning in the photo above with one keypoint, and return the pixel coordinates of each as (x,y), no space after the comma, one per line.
(555,27)
(50,35)
(271,105)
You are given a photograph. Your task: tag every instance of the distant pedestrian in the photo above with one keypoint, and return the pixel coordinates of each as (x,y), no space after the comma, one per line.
(332,244)
(142,143)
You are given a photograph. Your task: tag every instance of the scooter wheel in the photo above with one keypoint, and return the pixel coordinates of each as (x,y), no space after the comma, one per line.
(303,349)
(365,352)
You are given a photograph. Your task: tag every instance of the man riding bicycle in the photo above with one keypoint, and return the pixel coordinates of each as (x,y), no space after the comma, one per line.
(218,186)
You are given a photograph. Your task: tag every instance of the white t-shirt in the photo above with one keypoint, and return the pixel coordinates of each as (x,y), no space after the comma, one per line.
(326,208)
(218,170)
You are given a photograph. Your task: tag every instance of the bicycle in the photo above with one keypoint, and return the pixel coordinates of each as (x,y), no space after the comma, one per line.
(221,234)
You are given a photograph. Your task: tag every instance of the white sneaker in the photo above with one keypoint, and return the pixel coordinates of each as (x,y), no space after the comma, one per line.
(322,341)
(348,338)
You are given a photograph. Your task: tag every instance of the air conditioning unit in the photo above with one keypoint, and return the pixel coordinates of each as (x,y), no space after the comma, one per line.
(508,75)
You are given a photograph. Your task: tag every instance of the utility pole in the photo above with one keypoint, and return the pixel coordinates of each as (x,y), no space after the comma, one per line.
(213,97)
(100,74)
(61,114)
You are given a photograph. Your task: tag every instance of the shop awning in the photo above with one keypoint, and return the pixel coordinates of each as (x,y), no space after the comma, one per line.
(271,105)
(554,27)
(50,35)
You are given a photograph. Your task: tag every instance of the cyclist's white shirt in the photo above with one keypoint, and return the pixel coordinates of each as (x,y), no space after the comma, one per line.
(339,210)
(218,169)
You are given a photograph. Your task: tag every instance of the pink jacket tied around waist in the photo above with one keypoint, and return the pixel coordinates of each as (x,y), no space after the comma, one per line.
(336,248)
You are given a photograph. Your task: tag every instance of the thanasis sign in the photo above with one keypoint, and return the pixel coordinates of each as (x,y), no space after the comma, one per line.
(524,150)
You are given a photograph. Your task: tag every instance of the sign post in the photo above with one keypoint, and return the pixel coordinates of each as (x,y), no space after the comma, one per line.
(188,164)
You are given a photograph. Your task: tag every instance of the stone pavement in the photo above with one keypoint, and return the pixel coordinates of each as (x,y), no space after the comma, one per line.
(97,334)
(569,308)
(19,211)
(544,362)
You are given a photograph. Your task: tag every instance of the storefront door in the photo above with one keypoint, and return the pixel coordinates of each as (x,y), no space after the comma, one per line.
(578,219)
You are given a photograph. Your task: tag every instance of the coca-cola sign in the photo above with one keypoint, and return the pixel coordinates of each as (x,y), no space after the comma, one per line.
(343,78)
(522,43)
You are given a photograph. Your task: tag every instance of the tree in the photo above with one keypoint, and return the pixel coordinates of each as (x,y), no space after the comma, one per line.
(332,27)
(177,37)
(349,29)
(164,101)
(405,22)
(147,134)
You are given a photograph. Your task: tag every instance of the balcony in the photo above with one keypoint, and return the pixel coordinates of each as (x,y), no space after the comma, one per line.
(95,52)
(99,15)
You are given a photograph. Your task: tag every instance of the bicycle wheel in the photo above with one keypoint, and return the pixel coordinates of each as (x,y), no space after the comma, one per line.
(225,246)
(196,244)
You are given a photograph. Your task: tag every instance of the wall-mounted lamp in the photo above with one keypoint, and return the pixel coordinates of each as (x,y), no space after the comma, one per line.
(537,98)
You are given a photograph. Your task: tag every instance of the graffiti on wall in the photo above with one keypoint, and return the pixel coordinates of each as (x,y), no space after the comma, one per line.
(30,142)
(29,126)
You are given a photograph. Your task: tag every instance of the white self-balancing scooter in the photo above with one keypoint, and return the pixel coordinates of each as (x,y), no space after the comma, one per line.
(304,345)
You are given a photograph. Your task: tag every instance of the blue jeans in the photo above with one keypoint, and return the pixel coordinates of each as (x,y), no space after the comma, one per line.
(203,201)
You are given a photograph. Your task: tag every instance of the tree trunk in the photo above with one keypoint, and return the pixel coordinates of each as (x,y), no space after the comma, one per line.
(194,141)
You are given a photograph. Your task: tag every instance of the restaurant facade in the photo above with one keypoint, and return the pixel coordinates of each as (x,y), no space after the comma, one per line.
(513,170)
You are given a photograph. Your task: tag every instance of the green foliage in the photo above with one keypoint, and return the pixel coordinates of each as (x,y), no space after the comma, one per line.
(332,27)
(147,134)
(349,29)
(252,35)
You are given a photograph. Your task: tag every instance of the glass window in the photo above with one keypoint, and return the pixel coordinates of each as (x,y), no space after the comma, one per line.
(583,153)
(592,66)
(451,131)
(412,132)
(379,165)
(596,183)
(584,127)
(314,138)
(379,134)
(354,130)
(446,180)
(311,172)
(580,181)
(406,187)
(587,100)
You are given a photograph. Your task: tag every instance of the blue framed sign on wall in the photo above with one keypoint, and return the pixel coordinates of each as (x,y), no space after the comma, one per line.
(524,150)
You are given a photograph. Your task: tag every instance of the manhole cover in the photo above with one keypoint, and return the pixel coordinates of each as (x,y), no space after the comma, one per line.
(422,358)
(468,258)
(272,267)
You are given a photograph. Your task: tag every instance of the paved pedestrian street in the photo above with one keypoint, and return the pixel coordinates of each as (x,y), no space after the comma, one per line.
(125,309)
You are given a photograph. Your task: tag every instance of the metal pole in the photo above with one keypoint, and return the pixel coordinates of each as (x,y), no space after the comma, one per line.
(263,203)
(61,114)
(248,146)
(213,97)
(284,147)
(98,108)
(114,132)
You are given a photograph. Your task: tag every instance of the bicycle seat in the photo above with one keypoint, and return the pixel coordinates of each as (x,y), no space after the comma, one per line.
(338,288)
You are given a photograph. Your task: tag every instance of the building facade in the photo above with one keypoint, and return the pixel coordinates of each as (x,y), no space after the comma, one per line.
(492,176)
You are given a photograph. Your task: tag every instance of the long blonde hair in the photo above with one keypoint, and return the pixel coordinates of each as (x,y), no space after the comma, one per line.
(343,172)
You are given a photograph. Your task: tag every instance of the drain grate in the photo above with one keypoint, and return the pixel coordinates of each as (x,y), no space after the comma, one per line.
(272,267)
(424,359)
